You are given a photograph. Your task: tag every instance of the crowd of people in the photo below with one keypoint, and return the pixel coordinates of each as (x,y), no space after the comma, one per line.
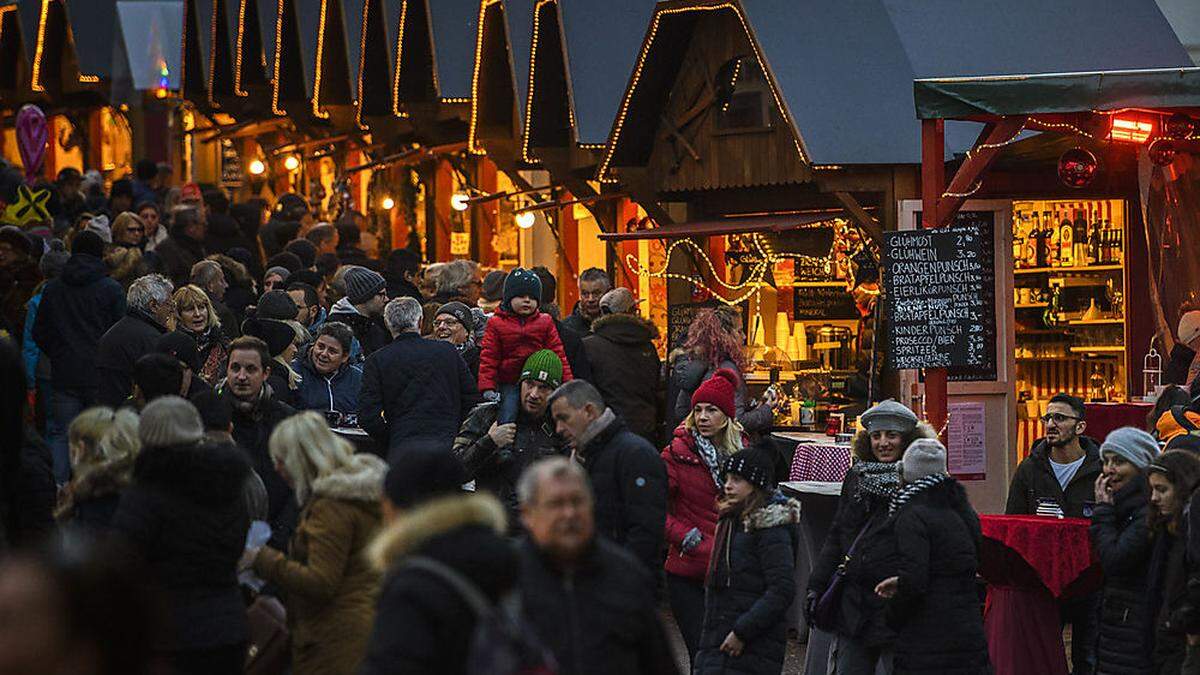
(250,439)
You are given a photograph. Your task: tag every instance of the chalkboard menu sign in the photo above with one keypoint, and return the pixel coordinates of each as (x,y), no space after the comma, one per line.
(823,301)
(231,165)
(679,317)
(941,290)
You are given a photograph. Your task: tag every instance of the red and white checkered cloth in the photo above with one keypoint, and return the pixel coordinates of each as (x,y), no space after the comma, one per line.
(827,463)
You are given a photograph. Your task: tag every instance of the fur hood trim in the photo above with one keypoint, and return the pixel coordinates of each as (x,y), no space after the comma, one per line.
(772,515)
(361,481)
(862,441)
(103,480)
(431,519)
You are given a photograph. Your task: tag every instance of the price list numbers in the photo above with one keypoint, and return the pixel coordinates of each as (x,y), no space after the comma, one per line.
(935,281)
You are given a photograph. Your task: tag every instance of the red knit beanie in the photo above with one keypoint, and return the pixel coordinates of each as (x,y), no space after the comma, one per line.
(719,391)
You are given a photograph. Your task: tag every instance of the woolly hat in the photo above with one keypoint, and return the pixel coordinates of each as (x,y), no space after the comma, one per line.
(460,312)
(276,305)
(277,334)
(362,284)
(493,285)
(282,271)
(182,347)
(422,472)
(88,242)
(99,224)
(754,465)
(543,366)
(521,282)
(53,260)
(1131,443)
(924,457)
(16,238)
(190,193)
(169,420)
(889,416)
(719,391)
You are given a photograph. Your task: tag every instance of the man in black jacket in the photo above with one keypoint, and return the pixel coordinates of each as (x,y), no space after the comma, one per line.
(185,246)
(76,310)
(625,363)
(591,603)
(593,284)
(148,310)
(627,474)
(414,390)
(494,455)
(362,308)
(256,412)
(1062,468)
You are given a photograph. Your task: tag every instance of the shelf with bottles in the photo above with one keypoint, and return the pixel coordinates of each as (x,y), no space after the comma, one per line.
(1068,235)
(1091,269)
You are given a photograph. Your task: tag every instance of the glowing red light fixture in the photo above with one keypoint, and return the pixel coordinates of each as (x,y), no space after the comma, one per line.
(1131,129)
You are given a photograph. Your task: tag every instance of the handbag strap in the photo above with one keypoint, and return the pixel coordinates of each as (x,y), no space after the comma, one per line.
(857,538)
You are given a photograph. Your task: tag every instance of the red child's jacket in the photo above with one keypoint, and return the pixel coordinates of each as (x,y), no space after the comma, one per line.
(509,339)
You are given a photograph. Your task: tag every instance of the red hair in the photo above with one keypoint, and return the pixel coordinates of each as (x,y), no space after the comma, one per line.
(714,336)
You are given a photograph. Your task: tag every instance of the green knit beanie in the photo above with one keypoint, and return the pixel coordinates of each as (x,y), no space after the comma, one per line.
(543,366)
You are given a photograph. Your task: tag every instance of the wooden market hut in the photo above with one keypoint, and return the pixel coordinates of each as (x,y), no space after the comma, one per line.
(14,50)
(433,68)
(241,55)
(69,35)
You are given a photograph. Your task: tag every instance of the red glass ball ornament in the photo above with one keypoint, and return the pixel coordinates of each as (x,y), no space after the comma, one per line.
(1077,168)
(1162,152)
(1179,125)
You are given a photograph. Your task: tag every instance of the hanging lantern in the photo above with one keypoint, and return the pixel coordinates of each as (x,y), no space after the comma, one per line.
(1179,126)
(1162,152)
(1077,168)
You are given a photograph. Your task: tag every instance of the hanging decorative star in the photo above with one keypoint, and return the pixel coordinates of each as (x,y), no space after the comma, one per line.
(29,209)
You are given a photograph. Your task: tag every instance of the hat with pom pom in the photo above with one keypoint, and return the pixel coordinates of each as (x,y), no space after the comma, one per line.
(719,390)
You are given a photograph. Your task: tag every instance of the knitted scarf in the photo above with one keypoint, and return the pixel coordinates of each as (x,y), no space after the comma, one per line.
(911,489)
(711,456)
(877,479)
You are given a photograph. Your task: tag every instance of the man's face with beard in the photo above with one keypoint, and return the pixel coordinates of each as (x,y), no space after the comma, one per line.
(1062,424)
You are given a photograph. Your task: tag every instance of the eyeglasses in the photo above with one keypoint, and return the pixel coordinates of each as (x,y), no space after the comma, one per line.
(447,322)
(1057,418)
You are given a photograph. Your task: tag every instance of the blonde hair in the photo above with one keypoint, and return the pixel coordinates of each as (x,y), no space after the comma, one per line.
(727,441)
(308,450)
(122,222)
(101,435)
(193,296)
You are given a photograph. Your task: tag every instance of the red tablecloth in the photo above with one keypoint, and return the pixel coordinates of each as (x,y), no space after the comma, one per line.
(1029,562)
(1104,417)
(815,461)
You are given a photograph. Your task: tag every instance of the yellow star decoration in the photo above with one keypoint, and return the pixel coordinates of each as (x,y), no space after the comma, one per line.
(30,208)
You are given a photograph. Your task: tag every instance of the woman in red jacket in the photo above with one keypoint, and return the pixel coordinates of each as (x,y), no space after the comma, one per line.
(709,434)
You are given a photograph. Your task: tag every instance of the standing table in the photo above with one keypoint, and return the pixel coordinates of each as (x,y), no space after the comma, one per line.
(1104,417)
(1030,563)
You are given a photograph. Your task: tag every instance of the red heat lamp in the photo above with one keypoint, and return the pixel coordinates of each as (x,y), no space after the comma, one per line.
(1130,129)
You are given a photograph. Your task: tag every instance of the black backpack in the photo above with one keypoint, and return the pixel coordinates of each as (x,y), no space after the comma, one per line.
(502,643)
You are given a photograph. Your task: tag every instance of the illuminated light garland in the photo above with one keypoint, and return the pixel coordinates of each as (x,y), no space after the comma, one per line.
(316,97)
(35,82)
(964,195)
(737,70)
(237,67)
(278,52)
(592,146)
(89,79)
(471,129)
(212,52)
(399,59)
(455,99)
(641,62)
(362,62)
(533,50)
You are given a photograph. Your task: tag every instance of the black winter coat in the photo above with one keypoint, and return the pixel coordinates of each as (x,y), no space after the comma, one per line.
(494,469)
(224,233)
(370,331)
(422,625)
(252,429)
(629,483)
(76,310)
(34,493)
(935,611)
(415,388)
(598,617)
(626,370)
(276,233)
(577,322)
(128,340)
(1035,480)
(1167,582)
(186,516)
(1121,538)
(577,358)
(178,253)
(749,591)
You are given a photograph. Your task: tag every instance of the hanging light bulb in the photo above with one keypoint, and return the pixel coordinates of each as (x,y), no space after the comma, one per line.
(291,163)
(257,168)
(525,220)
(388,203)
(458,201)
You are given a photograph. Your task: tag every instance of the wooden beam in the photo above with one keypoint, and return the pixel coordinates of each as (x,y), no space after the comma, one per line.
(860,216)
(933,181)
(989,144)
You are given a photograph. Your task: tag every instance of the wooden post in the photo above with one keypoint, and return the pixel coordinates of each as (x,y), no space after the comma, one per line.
(568,268)
(933,182)
(485,217)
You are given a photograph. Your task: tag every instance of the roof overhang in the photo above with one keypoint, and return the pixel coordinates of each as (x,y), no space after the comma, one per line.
(736,225)
(56,67)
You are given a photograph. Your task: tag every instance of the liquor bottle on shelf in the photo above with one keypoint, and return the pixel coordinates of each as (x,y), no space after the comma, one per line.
(1079,237)
(1041,240)
(1118,245)
(1020,230)
(1066,240)
(1094,243)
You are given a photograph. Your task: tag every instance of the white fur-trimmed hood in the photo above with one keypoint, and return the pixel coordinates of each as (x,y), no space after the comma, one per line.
(361,481)
(773,515)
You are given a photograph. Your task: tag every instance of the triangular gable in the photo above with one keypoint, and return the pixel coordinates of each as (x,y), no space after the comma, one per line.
(295,44)
(380,23)
(93,23)
(197,33)
(495,102)
(55,65)
(453,25)
(222,47)
(414,77)
(332,82)
(14,80)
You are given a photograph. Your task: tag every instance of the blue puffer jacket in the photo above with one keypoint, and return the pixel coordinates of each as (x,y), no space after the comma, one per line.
(318,392)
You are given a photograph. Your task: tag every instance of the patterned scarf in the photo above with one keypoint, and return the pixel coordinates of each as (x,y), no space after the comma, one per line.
(711,456)
(877,479)
(909,490)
